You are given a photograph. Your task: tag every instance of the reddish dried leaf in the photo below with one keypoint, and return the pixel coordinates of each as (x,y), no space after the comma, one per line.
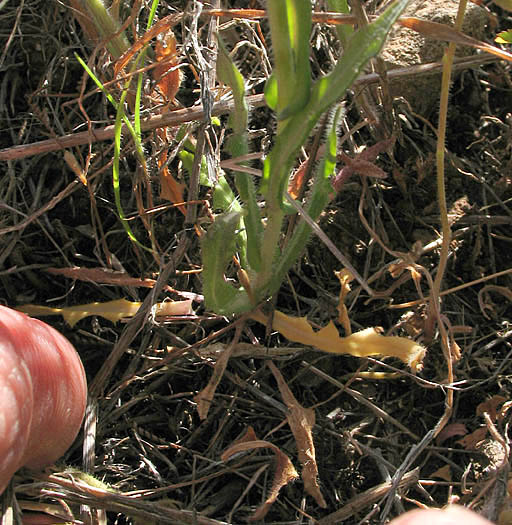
(470,441)
(301,421)
(106,276)
(362,163)
(160,27)
(284,471)
(454,429)
(101,276)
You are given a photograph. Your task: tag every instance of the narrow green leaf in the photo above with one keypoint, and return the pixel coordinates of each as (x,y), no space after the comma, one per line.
(237,146)
(363,45)
(270,92)
(218,246)
(228,74)
(299,16)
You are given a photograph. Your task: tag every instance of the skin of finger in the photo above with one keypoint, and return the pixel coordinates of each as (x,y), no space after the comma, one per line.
(16,410)
(452,515)
(59,387)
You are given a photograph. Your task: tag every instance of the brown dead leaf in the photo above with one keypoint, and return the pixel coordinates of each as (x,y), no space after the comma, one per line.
(454,429)
(158,28)
(301,421)
(491,407)
(284,471)
(449,34)
(204,398)
(444,473)
(470,441)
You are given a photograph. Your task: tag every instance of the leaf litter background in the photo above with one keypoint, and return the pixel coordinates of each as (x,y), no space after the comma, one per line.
(145,372)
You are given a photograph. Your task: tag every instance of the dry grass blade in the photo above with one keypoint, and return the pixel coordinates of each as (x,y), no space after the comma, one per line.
(361,501)
(448,34)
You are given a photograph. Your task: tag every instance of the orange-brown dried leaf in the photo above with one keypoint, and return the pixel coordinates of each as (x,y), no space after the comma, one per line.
(491,406)
(284,471)
(167,74)
(297,181)
(301,421)
(161,26)
(170,188)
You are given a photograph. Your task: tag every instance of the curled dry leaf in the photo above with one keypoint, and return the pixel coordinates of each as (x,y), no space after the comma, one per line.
(491,406)
(284,471)
(301,421)
(471,441)
(204,398)
(111,310)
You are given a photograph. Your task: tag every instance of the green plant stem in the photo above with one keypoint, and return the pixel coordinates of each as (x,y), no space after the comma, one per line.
(108,28)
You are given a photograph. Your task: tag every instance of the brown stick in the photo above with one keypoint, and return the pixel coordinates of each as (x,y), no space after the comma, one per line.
(180,116)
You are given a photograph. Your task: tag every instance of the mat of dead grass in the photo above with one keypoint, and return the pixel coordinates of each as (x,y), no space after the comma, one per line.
(146,442)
